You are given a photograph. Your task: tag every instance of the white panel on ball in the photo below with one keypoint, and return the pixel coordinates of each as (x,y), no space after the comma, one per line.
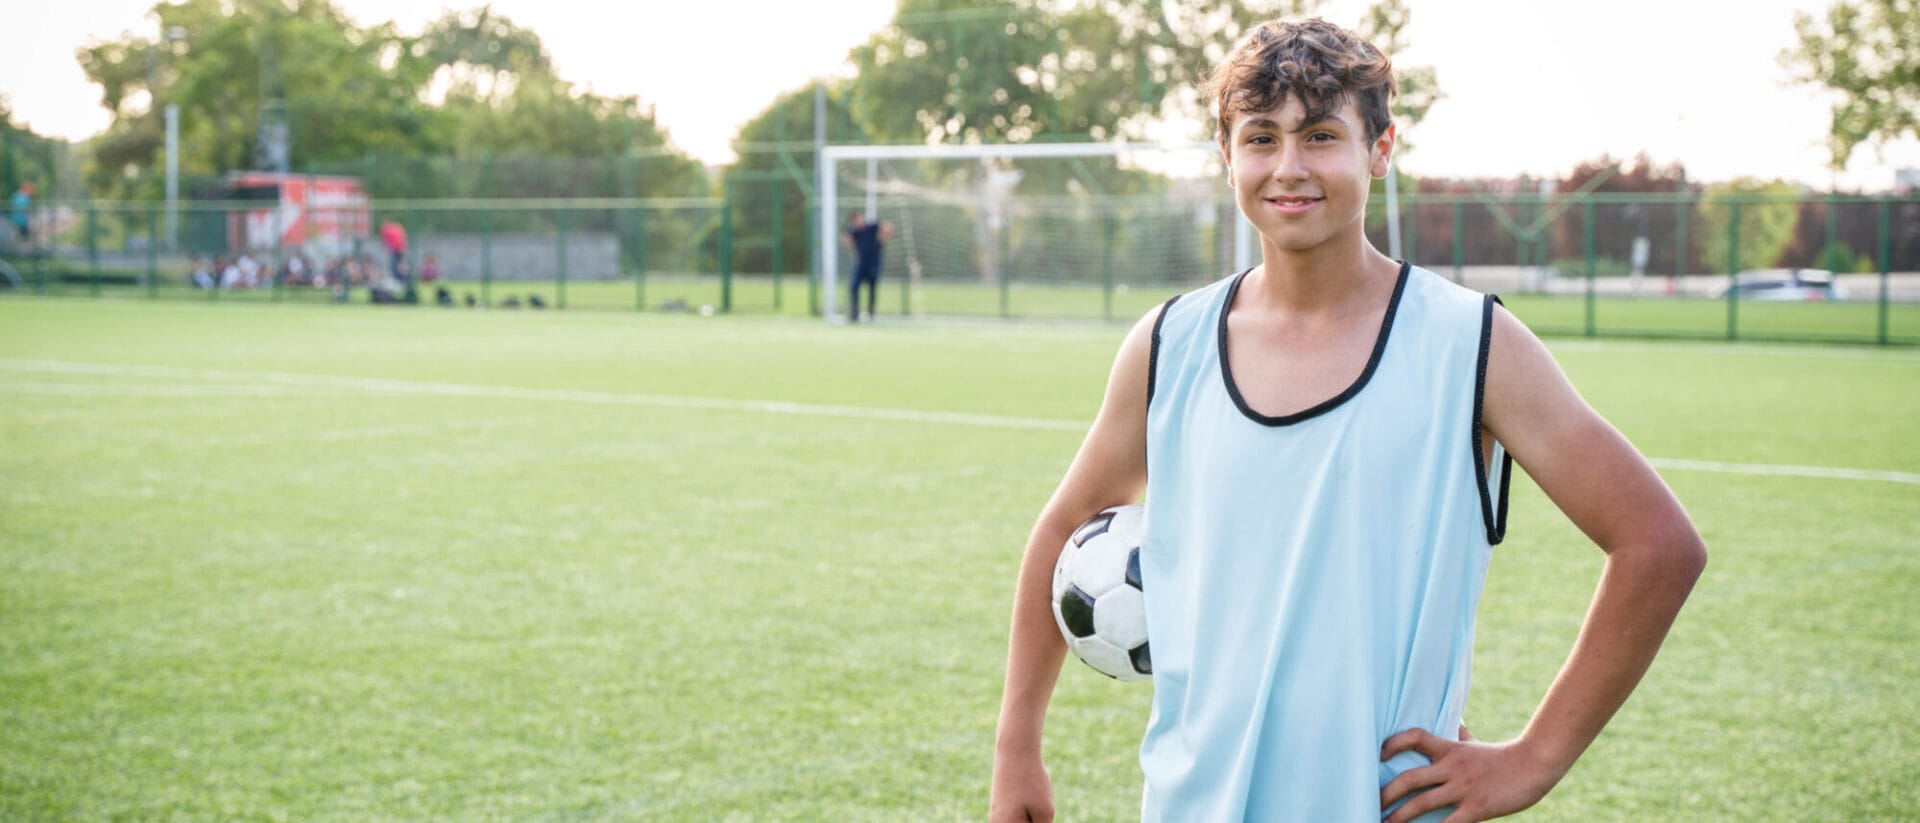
(1120,617)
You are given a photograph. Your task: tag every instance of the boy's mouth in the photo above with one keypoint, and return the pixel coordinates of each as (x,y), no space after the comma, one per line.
(1294,204)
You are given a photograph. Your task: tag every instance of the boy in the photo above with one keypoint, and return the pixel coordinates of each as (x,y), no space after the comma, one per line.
(1329,436)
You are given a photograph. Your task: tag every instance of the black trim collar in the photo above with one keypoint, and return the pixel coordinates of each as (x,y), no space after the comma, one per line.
(1373,361)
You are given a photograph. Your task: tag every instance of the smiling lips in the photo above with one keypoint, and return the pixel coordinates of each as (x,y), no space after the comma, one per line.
(1293,204)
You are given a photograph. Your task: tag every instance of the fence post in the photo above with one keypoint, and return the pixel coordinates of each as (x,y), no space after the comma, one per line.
(560,246)
(1410,230)
(1459,241)
(1106,263)
(779,231)
(1886,263)
(813,260)
(412,277)
(93,249)
(153,253)
(1586,231)
(486,257)
(726,248)
(1733,272)
(279,251)
(639,259)
(1682,253)
(1006,307)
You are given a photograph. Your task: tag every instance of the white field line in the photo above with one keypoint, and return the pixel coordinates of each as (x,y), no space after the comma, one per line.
(563,395)
(780,407)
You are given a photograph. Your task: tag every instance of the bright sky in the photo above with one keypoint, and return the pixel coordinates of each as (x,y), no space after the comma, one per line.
(1530,86)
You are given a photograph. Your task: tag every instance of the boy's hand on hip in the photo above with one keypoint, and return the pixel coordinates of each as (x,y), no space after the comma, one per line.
(1481,781)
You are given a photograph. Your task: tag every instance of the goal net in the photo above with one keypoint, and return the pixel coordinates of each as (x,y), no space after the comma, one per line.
(1047,230)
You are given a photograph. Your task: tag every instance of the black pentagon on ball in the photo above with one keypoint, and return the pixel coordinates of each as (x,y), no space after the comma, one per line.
(1076,610)
(1094,527)
(1142,661)
(1133,569)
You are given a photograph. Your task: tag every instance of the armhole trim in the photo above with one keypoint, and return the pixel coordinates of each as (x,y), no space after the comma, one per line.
(1153,350)
(1493,513)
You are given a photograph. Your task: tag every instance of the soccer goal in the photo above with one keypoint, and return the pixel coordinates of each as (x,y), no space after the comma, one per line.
(1035,229)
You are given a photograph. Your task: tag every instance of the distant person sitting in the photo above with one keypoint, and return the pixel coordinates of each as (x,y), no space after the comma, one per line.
(866,239)
(198,270)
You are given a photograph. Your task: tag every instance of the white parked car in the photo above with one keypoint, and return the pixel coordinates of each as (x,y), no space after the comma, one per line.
(1793,285)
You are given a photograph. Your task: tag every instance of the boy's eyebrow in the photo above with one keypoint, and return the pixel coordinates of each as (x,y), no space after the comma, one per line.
(1270,123)
(1332,118)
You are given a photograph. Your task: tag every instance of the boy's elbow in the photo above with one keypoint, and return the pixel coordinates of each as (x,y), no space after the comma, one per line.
(1682,554)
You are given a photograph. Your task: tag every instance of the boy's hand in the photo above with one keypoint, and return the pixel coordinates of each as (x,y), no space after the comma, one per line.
(1481,781)
(1022,792)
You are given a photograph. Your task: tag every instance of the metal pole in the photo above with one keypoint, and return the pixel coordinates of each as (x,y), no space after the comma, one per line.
(1393,214)
(726,248)
(779,230)
(1006,303)
(640,260)
(1106,263)
(1733,272)
(173,177)
(93,249)
(560,246)
(1886,263)
(828,249)
(1587,244)
(486,258)
(1459,241)
(153,253)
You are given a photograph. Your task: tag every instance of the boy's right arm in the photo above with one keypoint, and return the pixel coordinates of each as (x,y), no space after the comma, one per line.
(1109,470)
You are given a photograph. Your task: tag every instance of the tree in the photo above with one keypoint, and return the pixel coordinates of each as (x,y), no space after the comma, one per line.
(972,71)
(1615,225)
(347,90)
(1768,210)
(26,157)
(367,100)
(1869,52)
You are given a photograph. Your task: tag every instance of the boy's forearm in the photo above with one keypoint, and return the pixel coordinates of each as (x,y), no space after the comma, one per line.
(1639,595)
(1035,651)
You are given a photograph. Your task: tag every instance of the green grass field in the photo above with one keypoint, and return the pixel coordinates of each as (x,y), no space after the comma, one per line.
(349,562)
(790,295)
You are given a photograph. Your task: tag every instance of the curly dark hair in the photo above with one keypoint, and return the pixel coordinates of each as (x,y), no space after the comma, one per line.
(1316,62)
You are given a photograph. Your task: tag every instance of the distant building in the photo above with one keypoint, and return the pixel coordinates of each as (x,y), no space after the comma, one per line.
(1906,181)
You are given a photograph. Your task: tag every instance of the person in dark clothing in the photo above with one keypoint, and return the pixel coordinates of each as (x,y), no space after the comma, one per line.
(866,239)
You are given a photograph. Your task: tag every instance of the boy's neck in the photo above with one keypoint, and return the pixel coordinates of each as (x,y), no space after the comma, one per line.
(1327,277)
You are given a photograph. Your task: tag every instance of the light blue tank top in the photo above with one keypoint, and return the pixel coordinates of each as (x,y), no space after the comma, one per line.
(1311,580)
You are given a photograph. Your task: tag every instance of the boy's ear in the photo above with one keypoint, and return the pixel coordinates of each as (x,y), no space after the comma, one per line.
(1226,159)
(1383,150)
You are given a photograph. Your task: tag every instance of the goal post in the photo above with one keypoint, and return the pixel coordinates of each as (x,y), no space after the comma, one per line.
(976,222)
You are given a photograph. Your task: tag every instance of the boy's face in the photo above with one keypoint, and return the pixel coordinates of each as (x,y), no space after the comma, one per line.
(1303,184)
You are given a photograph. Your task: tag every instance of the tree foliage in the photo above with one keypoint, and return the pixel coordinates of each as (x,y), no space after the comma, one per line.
(1768,212)
(1868,51)
(472,84)
(986,71)
(26,157)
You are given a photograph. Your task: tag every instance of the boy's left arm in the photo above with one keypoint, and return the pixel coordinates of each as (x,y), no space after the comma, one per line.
(1653,558)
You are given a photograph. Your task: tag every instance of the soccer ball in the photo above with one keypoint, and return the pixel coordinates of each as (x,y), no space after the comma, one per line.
(1096,594)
